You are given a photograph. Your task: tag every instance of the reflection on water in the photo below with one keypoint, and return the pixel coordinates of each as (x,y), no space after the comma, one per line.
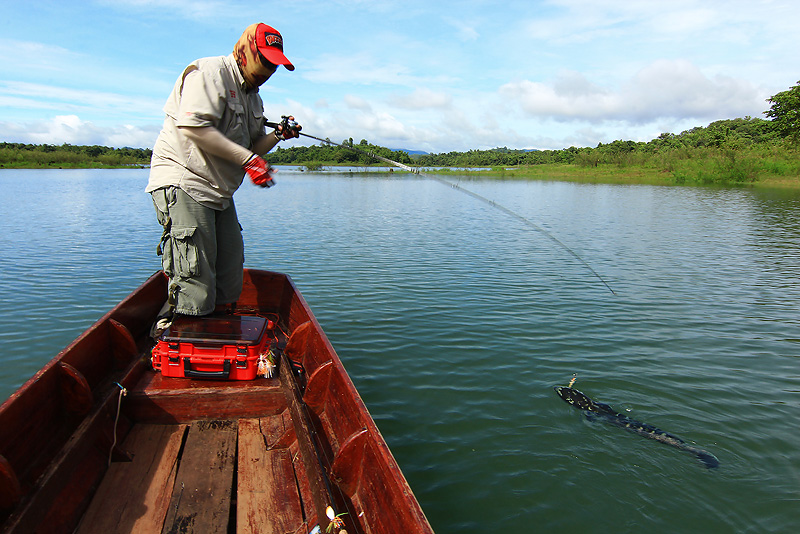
(455,321)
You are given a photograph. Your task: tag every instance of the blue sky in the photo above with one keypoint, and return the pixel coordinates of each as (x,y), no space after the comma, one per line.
(421,75)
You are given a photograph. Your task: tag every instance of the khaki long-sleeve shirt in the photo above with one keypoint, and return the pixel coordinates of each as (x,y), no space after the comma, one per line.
(209,92)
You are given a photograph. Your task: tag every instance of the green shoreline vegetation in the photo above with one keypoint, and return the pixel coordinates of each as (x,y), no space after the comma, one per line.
(746,151)
(23,156)
(739,152)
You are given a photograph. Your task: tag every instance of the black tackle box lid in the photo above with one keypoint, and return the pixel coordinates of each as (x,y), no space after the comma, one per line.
(221,330)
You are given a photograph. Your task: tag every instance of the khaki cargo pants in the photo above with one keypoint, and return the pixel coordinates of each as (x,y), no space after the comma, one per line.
(202,252)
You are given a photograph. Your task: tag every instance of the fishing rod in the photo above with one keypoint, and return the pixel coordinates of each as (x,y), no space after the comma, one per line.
(476,196)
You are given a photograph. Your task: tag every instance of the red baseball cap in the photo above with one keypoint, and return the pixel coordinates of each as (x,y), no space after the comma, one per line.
(270,43)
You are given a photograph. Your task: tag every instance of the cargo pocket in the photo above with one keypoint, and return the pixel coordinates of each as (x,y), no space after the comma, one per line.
(183,255)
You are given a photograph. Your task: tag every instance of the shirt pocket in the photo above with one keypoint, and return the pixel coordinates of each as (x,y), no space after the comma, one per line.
(235,128)
(256,123)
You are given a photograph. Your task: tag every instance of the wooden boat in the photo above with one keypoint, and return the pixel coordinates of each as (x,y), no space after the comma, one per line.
(97,441)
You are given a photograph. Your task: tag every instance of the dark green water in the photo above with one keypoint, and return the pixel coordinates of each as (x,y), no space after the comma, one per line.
(455,322)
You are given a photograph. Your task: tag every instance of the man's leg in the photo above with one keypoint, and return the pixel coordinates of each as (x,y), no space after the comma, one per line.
(189,250)
(230,256)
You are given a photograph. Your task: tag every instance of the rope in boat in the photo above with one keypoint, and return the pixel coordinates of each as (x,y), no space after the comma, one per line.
(476,196)
(122,393)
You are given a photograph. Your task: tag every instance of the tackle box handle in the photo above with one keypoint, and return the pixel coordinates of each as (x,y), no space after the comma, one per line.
(220,375)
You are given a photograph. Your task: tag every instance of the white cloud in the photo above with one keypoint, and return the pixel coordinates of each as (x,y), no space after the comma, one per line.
(72,130)
(40,81)
(193,9)
(356,69)
(366,71)
(383,125)
(21,58)
(39,96)
(464,30)
(355,102)
(666,88)
(422,98)
(586,20)
(679,89)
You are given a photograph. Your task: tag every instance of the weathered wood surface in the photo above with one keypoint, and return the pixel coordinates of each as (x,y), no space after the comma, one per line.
(161,490)
(267,497)
(201,496)
(164,400)
(133,497)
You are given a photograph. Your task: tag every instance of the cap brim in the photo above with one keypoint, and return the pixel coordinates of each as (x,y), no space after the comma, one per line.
(276,57)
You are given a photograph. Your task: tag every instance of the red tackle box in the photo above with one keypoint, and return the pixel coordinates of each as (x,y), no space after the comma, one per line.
(217,348)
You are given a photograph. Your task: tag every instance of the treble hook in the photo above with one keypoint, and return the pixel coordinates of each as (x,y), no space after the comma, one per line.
(574,378)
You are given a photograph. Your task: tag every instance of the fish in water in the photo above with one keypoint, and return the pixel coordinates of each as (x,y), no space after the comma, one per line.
(604,412)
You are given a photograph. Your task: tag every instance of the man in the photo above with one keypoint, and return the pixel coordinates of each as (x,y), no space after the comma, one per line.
(214,132)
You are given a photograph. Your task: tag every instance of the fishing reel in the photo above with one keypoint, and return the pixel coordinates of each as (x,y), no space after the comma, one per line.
(288,128)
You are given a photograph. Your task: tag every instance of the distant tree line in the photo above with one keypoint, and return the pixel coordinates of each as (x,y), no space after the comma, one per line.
(21,155)
(325,154)
(737,133)
(733,150)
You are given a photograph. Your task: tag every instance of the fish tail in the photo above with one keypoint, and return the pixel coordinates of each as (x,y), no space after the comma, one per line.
(708,459)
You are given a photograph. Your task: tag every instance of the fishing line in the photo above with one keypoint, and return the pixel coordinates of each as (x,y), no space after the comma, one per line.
(476,196)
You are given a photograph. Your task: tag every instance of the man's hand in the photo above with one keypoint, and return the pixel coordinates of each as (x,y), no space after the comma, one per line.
(260,171)
(288,128)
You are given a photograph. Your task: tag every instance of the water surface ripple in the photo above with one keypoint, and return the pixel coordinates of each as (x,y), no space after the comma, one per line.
(455,321)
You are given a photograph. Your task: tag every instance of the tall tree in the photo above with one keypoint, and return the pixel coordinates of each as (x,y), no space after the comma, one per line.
(785,112)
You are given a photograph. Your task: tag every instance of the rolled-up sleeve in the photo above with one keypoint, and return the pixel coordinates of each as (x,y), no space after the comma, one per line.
(202,103)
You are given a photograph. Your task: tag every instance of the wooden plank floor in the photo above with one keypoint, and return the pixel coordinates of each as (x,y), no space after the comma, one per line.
(262,504)
(133,496)
(201,497)
(205,476)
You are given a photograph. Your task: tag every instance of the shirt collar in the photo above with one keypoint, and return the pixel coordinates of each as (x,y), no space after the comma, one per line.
(237,74)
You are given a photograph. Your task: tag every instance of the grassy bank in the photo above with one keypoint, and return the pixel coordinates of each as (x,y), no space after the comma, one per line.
(768,166)
(610,174)
(23,156)
(606,174)
(73,165)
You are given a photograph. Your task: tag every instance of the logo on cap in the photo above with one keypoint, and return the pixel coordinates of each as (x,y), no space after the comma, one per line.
(273,39)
